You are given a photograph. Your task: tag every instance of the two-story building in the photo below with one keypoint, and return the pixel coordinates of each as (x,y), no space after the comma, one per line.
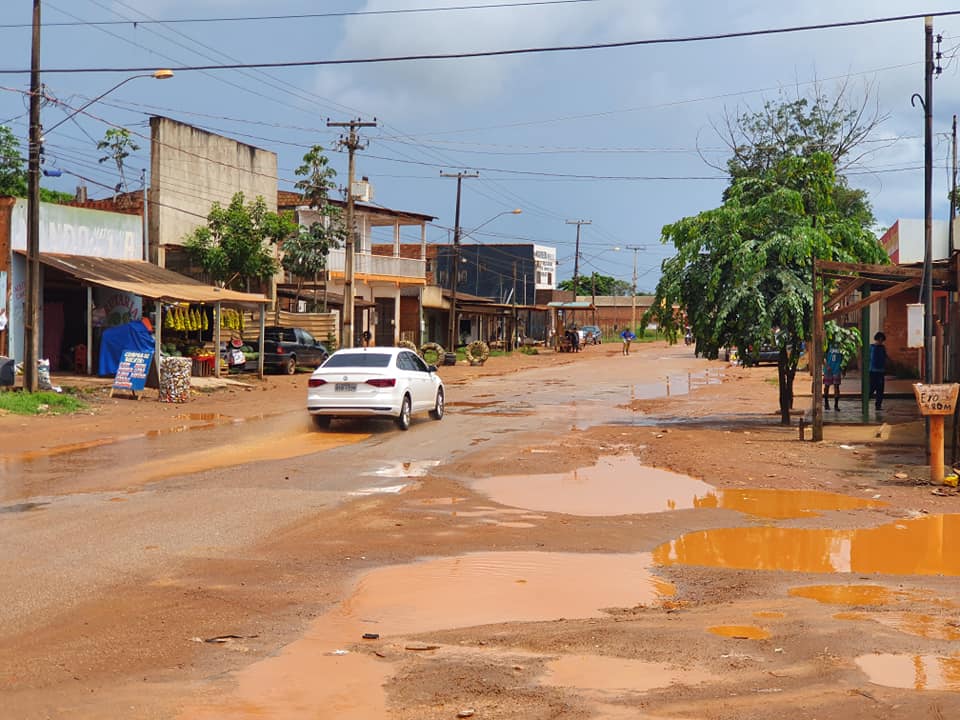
(390,269)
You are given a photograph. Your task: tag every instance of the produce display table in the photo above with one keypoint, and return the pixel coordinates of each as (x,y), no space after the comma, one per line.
(203,366)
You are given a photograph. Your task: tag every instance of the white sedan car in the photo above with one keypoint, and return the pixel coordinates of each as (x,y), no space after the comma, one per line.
(374,382)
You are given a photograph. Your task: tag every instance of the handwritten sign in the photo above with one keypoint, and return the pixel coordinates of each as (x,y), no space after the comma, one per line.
(132,371)
(936,399)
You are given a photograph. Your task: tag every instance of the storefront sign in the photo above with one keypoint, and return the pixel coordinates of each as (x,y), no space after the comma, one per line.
(80,231)
(132,372)
(936,399)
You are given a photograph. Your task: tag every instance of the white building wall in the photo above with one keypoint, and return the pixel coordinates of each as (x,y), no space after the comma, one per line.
(191,169)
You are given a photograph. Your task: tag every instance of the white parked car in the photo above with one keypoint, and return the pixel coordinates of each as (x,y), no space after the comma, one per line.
(374,382)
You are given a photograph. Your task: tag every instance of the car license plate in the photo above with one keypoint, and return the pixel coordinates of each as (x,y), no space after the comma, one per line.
(345,387)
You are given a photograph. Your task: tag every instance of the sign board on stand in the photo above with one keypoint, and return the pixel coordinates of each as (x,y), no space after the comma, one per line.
(936,401)
(132,372)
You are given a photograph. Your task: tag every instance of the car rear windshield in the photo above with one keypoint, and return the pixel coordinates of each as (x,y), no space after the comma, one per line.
(358,359)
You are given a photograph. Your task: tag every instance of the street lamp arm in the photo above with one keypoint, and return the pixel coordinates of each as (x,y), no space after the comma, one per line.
(516,211)
(159,75)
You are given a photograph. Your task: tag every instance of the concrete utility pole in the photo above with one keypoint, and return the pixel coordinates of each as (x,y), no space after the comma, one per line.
(455,264)
(928,202)
(576,254)
(352,143)
(633,298)
(31,326)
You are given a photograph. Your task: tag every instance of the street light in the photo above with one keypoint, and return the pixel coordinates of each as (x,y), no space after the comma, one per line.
(455,271)
(162,74)
(31,326)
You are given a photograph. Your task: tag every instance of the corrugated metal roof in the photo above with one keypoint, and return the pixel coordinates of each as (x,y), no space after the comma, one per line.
(145,279)
(570,305)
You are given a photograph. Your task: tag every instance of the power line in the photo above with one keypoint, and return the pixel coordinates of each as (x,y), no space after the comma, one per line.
(308,16)
(509,52)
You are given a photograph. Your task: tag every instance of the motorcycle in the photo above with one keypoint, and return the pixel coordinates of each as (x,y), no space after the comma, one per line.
(688,338)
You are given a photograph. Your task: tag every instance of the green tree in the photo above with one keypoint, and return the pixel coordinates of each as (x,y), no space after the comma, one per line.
(13,171)
(119,144)
(233,247)
(305,252)
(598,284)
(742,271)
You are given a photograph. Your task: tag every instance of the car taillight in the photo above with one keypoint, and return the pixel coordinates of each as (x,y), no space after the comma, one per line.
(280,350)
(316,382)
(382,382)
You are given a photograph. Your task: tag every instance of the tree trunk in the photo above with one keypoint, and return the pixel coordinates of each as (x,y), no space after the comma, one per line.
(785,386)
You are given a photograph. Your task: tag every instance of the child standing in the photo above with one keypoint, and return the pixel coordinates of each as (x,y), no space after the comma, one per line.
(878,367)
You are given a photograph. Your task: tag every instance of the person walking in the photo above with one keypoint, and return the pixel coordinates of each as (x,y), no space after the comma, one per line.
(832,373)
(878,368)
(628,337)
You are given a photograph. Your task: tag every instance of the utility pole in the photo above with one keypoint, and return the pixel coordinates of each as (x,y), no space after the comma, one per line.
(455,266)
(953,183)
(928,203)
(576,254)
(352,143)
(31,351)
(513,332)
(633,299)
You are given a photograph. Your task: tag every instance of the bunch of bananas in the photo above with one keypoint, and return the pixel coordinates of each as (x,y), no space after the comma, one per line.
(231,319)
(185,319)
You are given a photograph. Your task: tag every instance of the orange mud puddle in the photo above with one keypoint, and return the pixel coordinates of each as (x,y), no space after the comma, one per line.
(620,485)
(868,595)
(916,624)
(912,672)
(308,680)
(740,632)
(924,546)
(611,674)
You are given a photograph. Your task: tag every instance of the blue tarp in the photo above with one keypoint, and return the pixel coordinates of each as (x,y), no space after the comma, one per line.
(132,336)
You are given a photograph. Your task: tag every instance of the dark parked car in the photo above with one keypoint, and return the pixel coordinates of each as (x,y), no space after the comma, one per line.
(286,348)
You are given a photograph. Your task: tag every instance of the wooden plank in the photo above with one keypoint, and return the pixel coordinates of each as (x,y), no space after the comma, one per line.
(898,288)
(844,290)
(890,271)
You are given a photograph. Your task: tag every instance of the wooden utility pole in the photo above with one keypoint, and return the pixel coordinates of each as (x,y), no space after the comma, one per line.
(31,326)
(633,298)
(576,254)
(928,202)
(455,264)
(352,143)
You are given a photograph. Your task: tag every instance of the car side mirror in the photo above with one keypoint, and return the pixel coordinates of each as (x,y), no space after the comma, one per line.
(431,368)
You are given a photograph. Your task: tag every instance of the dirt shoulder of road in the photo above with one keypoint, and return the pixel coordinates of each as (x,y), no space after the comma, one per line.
(723,433)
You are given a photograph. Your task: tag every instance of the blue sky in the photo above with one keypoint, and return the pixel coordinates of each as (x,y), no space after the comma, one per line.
(573,135)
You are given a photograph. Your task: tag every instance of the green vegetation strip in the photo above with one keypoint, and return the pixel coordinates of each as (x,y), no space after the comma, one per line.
(41,403)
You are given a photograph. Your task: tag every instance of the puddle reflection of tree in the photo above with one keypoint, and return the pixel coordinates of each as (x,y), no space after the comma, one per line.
(923,546)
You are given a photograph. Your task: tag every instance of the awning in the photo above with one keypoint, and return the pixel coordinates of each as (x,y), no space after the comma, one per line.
(139,277)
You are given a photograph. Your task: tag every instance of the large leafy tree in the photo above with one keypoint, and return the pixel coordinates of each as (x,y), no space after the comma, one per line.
(596,284)
(233,247)
(305,252)
(742,272)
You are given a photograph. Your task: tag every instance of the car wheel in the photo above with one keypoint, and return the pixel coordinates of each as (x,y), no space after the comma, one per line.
(321,421)
(290,367)
(437,412)
(403,419)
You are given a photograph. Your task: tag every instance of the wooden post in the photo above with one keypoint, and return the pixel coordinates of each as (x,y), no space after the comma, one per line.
(865,356)
(936,401)
(217,338)
(816,356)
(263,335)
(936,449)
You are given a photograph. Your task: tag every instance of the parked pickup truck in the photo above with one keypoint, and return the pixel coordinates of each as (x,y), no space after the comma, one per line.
(286,348)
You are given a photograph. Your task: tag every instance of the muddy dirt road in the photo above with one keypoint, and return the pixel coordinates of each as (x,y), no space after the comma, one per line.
(594,536)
